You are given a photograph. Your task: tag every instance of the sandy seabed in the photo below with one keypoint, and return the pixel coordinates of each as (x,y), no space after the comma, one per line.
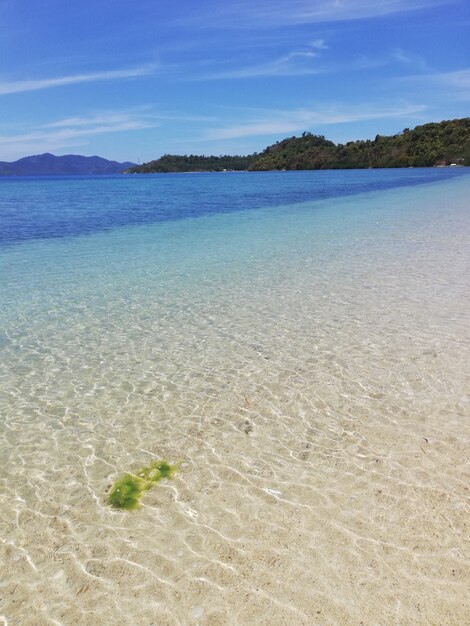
(318,405)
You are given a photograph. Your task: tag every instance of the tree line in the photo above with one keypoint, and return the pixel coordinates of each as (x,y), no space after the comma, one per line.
(193,163)
(434,144)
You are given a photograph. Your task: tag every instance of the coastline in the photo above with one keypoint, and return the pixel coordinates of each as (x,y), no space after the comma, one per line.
(326,169)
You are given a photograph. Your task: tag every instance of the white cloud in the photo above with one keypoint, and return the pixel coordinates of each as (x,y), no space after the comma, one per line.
(73,131)
(298,63)
(413,60)
(453,86)
(104,119)
(279,122)
(63,134)
(10,87)
(272,13)
(459,79)
(143,113)
(319,44)
(295,63)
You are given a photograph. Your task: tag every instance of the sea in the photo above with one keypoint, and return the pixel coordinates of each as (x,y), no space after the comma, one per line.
(296,343)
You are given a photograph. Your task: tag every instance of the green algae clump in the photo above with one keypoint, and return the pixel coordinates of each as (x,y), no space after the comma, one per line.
(127,491)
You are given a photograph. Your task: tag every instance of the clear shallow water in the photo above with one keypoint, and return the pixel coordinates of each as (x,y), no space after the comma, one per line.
(307,363)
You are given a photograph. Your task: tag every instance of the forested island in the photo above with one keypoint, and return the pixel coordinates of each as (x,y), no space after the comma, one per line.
(434,144)
(194,163)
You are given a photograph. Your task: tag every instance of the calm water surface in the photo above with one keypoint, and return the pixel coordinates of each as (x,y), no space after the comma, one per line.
(44,207)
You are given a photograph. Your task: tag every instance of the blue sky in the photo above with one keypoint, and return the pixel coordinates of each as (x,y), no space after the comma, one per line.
(135,80)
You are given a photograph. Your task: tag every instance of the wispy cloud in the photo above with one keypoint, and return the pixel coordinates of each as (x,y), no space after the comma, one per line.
(74,131)
(279,122)
(302,62)
(269,13)
(144,115)
(66,133)
(91,122)
(295,63)
(10,87)
(319,44)
(412,60)
(455,84)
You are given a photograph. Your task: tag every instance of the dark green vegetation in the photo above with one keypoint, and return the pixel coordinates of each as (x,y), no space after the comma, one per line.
(127,491)
(424,146)
(432,144)
(193,163)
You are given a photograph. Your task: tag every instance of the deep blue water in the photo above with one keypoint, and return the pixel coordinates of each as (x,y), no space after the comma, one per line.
(51,207)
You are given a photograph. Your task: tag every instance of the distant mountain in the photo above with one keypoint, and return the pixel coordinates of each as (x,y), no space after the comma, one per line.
(50,165)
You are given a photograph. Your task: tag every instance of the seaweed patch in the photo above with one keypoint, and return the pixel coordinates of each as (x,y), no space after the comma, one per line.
(127,491)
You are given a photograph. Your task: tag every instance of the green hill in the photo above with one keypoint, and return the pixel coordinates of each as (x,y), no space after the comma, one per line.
(441,143)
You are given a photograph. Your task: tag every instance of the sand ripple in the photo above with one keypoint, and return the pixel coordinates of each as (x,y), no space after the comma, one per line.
(318,402)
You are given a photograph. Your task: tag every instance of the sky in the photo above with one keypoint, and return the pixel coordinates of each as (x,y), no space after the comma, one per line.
(131,81)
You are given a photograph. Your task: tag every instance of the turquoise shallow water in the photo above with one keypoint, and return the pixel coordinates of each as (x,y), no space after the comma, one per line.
(306,362)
